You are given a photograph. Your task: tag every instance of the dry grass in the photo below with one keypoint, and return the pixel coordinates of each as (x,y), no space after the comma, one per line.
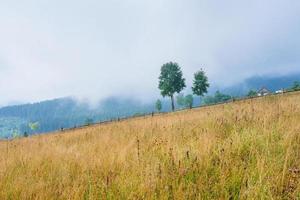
(241,150)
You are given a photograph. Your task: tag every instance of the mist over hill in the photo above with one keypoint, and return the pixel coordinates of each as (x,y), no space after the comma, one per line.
(68,112)
(64,113)
(273,83)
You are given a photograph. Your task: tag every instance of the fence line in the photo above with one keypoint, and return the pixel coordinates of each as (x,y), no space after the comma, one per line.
(152,114)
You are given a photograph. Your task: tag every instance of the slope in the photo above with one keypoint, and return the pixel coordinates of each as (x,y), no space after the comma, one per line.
(241,150)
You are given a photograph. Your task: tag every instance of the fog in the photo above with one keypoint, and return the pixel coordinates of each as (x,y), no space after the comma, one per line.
(95,48)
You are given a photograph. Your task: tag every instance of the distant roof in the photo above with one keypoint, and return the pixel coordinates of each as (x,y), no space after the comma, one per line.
(263,90)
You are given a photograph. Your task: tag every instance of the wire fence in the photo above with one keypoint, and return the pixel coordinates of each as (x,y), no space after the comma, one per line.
(152,114)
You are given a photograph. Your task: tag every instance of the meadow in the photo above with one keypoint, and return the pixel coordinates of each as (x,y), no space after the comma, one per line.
(241,150)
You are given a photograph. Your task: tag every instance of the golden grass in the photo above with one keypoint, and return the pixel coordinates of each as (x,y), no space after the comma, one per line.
(242,150)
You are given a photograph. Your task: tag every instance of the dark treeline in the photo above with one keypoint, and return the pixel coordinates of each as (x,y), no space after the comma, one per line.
(65,113)
(58,114)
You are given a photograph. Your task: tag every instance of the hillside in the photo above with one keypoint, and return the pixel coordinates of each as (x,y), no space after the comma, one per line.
(273,83)
(64,113)
(242,150)
(67,112)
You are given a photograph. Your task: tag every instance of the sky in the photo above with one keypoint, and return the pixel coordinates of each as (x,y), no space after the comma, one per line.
(98,48)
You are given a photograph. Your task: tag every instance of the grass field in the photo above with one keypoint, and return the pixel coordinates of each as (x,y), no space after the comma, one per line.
(241,150)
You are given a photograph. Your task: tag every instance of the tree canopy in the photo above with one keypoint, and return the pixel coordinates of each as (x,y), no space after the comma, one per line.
(200,83)
(34,126)
(158,105)
(180,99)
(217,98)
(252,93)
(189,100)
(296,86)
(171,80)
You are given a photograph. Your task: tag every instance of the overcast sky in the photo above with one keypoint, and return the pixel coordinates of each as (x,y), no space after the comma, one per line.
(98,48)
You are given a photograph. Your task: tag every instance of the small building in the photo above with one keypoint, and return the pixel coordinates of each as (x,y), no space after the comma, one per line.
(281,91)
(263,92)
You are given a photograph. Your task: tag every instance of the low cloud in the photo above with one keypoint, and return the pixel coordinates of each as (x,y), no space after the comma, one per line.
(95,49)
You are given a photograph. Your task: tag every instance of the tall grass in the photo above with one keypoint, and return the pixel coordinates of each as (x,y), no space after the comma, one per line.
(240,150)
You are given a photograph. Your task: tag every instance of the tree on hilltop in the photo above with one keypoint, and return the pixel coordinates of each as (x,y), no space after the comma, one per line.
(200,83)
(185,101)
(296,86)
(252,93)
(158,105)
(171,81)
(189,100)
(180,99)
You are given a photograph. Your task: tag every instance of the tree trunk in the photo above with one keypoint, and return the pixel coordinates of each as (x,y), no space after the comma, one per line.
(172,100)
(200,100)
